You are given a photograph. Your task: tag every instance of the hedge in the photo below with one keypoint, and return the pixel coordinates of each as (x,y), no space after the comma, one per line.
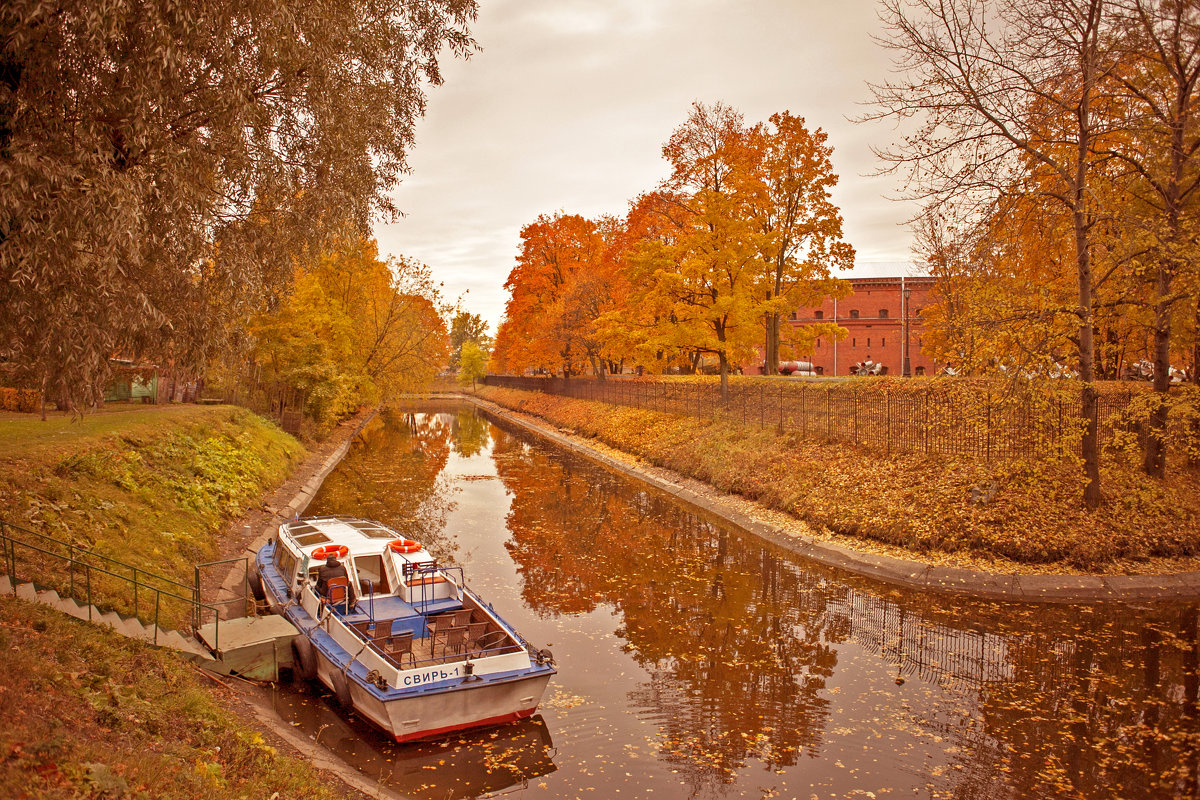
(25,400)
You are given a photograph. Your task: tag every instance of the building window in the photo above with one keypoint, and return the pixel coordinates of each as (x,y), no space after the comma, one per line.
(883,342)
(917,312)
(818,315)
(793,315)
(918,341)
(868,341)
(818,344)
(883,313)
(854,313)
(854,342)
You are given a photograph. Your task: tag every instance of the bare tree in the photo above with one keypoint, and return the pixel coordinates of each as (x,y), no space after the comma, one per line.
(998,89)
(1160,73)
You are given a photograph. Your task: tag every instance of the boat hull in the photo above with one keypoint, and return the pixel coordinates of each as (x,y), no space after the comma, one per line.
(443,710)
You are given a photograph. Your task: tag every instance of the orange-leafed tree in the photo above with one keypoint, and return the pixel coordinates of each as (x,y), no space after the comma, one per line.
(562,282)
(802,229)
(694,286)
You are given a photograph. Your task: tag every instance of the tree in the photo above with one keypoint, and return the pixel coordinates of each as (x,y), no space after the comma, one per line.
(356,330)
(556,291)
(467,327)
(156,154)
(802,227)
(1000,88)
(696,286)
(1160,76)
(472,365)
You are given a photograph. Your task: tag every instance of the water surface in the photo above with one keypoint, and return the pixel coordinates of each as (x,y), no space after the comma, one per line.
(698,661)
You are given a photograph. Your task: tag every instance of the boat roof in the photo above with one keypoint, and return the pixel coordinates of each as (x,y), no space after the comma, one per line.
(359,535)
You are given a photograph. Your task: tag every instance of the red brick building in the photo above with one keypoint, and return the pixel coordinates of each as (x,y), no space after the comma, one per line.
(879,322)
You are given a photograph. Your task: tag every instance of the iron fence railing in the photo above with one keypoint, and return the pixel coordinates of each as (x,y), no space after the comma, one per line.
(99,581)
(961,418)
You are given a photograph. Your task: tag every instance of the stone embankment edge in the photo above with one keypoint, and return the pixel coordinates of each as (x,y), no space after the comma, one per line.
(902,572)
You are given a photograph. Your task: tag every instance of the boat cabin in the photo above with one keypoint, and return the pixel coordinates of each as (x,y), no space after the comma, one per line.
(399,602)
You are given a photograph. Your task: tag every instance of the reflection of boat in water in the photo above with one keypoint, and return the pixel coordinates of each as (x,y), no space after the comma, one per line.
(470,764)
(420,654)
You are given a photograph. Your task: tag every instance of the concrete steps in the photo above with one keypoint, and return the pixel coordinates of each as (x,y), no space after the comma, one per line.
(126,626)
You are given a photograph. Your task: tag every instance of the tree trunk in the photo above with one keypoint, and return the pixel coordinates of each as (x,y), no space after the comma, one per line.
(724,361)
(771,353)
(1089,445)
(1154,463)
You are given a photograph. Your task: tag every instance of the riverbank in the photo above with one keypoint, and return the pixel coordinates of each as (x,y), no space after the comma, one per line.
(999,519)
(88,712)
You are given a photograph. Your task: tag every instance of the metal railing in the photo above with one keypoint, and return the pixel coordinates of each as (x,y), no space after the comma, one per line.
(97,580)
(961,418)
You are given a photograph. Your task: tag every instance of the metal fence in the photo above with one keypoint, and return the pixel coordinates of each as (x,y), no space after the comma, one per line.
(950,418)
(96,580)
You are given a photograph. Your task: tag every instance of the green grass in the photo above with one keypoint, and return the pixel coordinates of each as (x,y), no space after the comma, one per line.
(150,487)
(90,714)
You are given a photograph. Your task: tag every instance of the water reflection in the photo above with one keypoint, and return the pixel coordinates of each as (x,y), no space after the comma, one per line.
(695,659)
(466,765)
(740,641)
(394,474)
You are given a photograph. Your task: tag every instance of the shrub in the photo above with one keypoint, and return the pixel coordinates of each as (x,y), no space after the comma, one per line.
(24,400)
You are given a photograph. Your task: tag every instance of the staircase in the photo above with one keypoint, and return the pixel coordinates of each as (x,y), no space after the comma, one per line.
(126,626)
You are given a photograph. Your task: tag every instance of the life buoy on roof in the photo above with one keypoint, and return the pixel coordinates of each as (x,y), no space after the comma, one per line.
(325,551)
(404,546)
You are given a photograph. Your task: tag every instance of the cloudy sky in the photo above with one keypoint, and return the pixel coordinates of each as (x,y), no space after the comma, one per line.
(569,102)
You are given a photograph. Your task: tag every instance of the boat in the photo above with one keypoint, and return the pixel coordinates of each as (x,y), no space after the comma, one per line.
(419,654)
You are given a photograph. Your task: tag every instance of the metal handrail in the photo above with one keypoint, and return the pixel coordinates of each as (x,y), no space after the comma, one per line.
(9,544)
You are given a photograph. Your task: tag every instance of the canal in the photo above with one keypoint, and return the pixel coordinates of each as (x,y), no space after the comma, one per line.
(698,661)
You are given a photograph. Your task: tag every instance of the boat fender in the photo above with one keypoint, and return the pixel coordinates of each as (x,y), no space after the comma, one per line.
(256,584)
(341,689)
(544,656)
(325,551)
(304,660)
(404,546)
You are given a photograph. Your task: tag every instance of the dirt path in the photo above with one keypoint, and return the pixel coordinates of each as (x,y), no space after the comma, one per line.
(224,584)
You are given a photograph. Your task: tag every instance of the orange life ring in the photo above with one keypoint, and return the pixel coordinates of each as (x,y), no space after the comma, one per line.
(339,550)
(404,546)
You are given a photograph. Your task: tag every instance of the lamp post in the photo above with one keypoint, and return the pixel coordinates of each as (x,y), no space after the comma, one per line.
(907,293)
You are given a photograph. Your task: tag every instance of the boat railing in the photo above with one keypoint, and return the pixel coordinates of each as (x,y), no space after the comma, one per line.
(417,572)
(97,580)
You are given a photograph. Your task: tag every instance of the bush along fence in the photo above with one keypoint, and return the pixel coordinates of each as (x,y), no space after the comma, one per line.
(951,417)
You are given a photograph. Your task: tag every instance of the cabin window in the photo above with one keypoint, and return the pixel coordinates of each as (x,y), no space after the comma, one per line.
(316,537)
(818,315)
(285,562)
(883,313)
(854,313)
(370,568)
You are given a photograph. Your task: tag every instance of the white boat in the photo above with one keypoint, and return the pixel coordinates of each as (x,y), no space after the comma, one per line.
(420,655)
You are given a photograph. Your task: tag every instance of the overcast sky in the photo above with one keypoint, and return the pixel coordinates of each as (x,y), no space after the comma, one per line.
(569,102)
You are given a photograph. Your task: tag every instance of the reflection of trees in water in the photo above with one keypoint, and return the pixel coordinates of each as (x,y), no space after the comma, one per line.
(1035,701)
(738,663)
(470,432)
(393,475)
(1089,701)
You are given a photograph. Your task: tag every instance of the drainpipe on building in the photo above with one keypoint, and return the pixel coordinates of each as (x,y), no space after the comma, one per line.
(904,298)
(835,338)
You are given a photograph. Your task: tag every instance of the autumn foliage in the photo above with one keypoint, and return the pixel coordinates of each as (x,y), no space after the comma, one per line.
(700,268)
(354,330)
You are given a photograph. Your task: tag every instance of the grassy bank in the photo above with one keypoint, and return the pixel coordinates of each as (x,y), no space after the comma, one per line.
(90,714)
(152,487)
(1023,515)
